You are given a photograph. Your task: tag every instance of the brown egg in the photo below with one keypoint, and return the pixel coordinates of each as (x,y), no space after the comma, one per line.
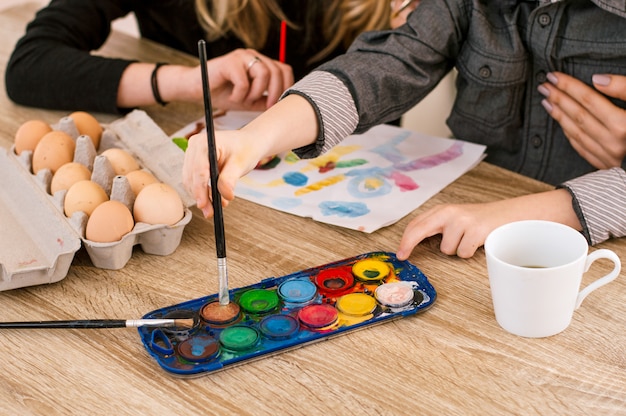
(54,150)
(109,222)
(122,161)
(138,179)
(84,196)
(88,125)
(67,175)
(29,134)
(158,203)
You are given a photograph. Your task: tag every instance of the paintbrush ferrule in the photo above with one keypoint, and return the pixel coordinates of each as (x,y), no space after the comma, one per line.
(134,323)
(222,273)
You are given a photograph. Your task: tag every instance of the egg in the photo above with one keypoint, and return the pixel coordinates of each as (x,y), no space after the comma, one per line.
(29,134)
(83,196)
(138,179)
(109,222)
(121,161)
(88,125)
(158,203)
(67,175)
(55,149)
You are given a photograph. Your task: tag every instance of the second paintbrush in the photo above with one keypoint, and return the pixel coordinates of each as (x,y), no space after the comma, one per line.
(218,217)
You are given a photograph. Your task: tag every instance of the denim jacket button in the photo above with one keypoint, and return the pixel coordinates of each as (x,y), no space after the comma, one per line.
(540,77)
(484,72)
(544,19)
(536,141)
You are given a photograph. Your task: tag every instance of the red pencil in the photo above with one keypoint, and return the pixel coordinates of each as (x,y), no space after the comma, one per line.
(282,53)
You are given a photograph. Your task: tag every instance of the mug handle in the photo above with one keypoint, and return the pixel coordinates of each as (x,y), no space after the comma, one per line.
(599,254)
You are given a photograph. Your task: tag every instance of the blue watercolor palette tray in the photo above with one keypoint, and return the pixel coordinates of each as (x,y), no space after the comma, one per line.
(285,312)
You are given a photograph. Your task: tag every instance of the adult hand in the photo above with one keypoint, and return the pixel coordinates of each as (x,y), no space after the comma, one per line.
(400,9)
(464,227)
(239,80)
(595,127)
(246,80)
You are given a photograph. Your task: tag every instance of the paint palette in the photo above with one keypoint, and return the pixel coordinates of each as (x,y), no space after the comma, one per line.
(282,313)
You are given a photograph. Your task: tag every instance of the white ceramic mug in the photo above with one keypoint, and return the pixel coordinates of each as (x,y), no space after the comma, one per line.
(535,271)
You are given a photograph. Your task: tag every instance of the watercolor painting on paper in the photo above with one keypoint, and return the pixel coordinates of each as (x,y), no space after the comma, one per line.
(365,183)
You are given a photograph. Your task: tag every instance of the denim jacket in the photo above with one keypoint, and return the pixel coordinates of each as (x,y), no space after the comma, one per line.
(502,51)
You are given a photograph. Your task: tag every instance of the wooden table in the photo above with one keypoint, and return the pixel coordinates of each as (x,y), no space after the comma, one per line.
(452,359)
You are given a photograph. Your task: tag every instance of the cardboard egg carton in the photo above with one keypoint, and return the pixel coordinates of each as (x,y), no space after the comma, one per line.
(39,242)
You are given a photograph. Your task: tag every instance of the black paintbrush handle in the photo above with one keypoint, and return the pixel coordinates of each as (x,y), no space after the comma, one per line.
(218,217)
(85,323)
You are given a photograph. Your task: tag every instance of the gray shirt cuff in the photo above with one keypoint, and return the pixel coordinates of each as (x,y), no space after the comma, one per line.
(335,109)
(600,203)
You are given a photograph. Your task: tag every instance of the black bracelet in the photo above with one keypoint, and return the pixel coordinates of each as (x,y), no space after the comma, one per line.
(155,84)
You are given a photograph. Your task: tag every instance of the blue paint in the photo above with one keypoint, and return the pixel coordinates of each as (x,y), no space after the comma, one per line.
(297,290)
(390,151)
(344,209)
(279,326)
(251,193)
(357,185)
(286,203)
(295,178)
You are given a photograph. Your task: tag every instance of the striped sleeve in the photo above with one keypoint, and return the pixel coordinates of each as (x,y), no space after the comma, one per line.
(600,202)
(335,109)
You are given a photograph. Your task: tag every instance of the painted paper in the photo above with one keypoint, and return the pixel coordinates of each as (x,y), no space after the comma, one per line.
(365,183)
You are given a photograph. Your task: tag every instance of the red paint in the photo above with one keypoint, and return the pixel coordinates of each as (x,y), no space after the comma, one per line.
(318,315)
(335,282)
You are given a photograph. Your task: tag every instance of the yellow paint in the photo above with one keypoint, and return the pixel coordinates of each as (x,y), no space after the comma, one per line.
(370,270)
(356,304)
(333,155)
(319,185)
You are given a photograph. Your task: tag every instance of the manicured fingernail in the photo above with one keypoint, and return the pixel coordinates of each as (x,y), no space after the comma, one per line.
(552,78)
(602,80)
(543,90)
(546,104)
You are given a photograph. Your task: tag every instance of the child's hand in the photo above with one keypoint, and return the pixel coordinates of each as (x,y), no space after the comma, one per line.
(464,227)
(236,156)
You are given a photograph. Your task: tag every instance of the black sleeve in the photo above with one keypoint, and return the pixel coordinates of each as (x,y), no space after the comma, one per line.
(52,65)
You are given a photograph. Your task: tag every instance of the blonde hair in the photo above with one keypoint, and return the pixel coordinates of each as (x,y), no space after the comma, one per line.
(250,20)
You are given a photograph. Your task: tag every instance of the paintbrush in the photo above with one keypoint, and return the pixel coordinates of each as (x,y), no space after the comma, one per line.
(100,323)
(218,217)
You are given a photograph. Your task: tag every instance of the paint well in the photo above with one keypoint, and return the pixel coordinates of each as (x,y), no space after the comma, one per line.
(395,294)
(199,349)
(279,326)
(370,270)
(356,304)
(297,290)
(259,301)
(334,281)
(213,313)
(239,338)
(318,315)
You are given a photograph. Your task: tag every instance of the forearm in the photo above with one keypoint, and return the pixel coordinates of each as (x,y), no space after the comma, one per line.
(135,88)
(289,124)
(555,205)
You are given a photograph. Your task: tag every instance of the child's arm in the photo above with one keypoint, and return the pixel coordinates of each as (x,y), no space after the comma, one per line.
(289,124)
(464,227)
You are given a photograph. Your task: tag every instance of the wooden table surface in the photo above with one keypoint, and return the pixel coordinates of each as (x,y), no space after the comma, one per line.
(452,359)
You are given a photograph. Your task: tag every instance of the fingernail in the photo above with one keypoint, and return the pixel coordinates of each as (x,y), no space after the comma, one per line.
(543,90)
(602,80)
(552,78)
(546,104)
